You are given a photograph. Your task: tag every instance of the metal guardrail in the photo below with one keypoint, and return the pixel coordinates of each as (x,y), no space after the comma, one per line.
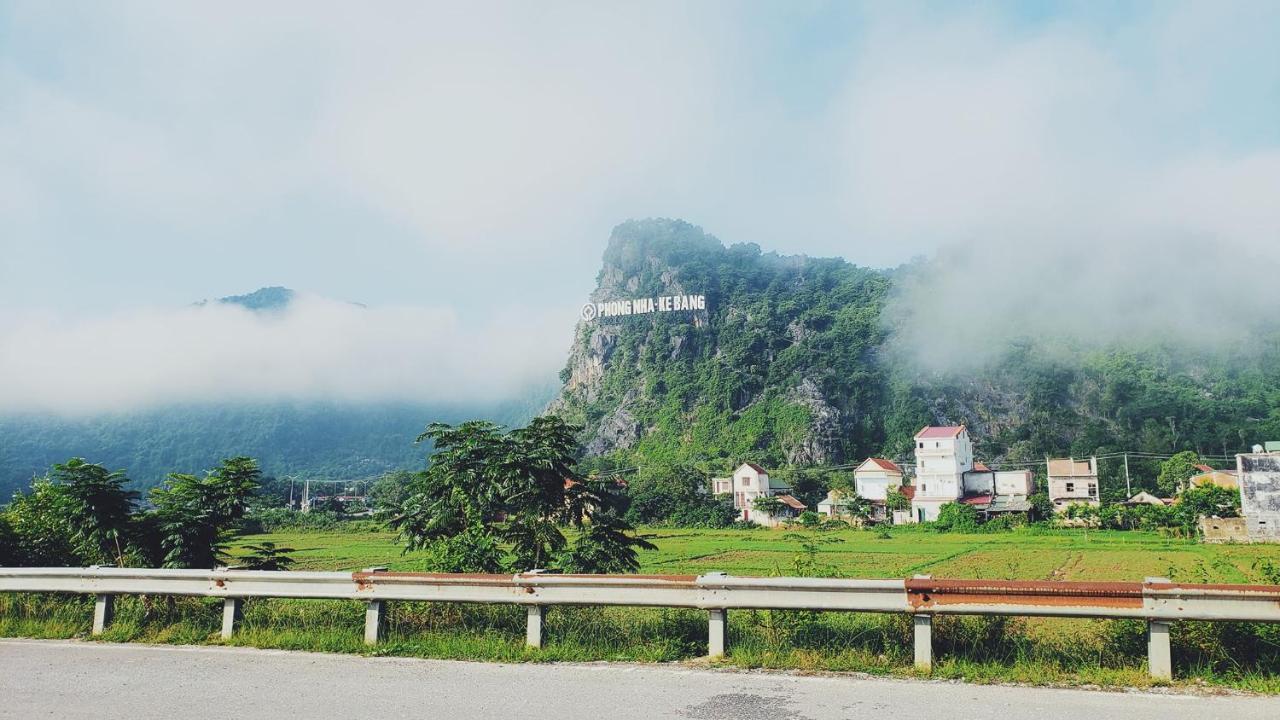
(1157,601)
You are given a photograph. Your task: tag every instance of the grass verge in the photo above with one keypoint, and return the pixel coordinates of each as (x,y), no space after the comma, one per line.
(1109,654)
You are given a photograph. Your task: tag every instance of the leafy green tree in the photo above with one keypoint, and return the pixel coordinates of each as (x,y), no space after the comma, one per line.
(40,527)
(96,509)
(956,517)
(78,515)
(895,500)
(194,516)
(770,504)
(8,542)
(487,487)
(1205,501)
(267,556)
(1176,471)
(1041,506)
(389,491)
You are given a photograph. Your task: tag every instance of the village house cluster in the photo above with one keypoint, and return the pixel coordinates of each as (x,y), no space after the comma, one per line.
(946,471)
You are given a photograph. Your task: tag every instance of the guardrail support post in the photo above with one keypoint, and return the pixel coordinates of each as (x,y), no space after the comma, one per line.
(1159,659)
(923,641)
(375,621)
(104,611)
(534,632)
(717,633)
(232,614)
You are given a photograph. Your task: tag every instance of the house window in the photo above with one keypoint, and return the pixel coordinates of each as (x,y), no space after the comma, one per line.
(1071,487)
(1093,490)
(921,446)
(937,444)
(924,488)
(737,500)
(746,482)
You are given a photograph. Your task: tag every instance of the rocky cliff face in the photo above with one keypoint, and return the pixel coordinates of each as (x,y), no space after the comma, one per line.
(754,375)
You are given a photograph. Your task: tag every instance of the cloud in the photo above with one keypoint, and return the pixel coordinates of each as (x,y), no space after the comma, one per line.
(1078,172)
(315,349)
(1064,183)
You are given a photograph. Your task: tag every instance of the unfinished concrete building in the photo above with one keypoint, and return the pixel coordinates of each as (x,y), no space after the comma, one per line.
(1259,475)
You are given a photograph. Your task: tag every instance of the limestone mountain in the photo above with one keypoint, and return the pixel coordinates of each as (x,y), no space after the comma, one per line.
(781,365)
(795,362)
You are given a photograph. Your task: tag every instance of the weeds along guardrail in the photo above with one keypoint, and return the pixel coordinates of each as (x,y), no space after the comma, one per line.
(1156,600)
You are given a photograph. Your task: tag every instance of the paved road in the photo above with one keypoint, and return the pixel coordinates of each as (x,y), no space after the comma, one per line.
(53,679)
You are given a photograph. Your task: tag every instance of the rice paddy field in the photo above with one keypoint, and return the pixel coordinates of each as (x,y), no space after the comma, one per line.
(1208,657)
(1027,554)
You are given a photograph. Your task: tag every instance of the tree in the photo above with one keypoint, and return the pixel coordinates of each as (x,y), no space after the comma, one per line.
(769,504)
(487,487)
(389,491)
(267,556)
(193,516)
(1041,506)
(79,514)
(95,508)
(1176,471)
(956,517)
(895,500)
(39,525)
(1205,501)
(8,542)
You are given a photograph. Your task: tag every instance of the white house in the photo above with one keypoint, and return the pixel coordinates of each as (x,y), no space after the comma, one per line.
(872,481)
(749,482)
(1073,481)
(943,456)
(874,477)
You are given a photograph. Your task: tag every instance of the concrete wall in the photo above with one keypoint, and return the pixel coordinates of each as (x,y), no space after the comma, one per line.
(1014,482)
(874,485)
(1221,530)
(1260,495)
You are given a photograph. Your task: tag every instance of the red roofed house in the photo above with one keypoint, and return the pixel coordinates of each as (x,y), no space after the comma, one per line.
(750,481)
(872,481)
(943,455)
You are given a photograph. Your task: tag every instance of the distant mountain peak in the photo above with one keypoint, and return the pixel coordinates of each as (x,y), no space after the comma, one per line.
(267,298)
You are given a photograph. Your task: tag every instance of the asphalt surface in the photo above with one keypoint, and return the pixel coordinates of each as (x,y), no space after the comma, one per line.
(55,679)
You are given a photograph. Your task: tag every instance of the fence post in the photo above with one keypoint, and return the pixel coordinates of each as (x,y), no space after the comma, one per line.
(534,632)
(232,613)
(375,621)
(923,627)
(104,611)
(1159,657)
(717,633)
(923,641)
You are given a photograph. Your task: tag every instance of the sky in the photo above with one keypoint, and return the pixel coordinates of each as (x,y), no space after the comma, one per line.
(458,167)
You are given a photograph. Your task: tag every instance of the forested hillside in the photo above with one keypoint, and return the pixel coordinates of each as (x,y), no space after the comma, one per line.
(318,440)
(795,364)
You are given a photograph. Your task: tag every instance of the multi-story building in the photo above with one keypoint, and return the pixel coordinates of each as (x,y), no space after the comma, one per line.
(1259,476)
(1073,481)
(749,482)
(943,455)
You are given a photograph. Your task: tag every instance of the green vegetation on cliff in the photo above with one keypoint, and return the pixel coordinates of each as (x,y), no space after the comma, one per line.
(797,364)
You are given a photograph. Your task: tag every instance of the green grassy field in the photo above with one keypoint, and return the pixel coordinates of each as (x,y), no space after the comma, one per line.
(1016,555)
(977,649)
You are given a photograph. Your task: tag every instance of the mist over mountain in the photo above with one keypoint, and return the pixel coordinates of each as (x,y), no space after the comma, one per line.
(817,361)
(793,361)
(308,386)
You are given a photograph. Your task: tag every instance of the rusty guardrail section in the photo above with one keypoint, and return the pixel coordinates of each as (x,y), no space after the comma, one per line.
(1155,600)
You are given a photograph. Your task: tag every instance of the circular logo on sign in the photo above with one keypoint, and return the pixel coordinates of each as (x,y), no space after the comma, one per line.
(589,312)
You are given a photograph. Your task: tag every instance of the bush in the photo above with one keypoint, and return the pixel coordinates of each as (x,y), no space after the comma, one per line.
(956,517)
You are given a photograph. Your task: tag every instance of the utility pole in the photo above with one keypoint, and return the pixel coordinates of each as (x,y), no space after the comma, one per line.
(1127,489)
(306,496)
(290,492)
